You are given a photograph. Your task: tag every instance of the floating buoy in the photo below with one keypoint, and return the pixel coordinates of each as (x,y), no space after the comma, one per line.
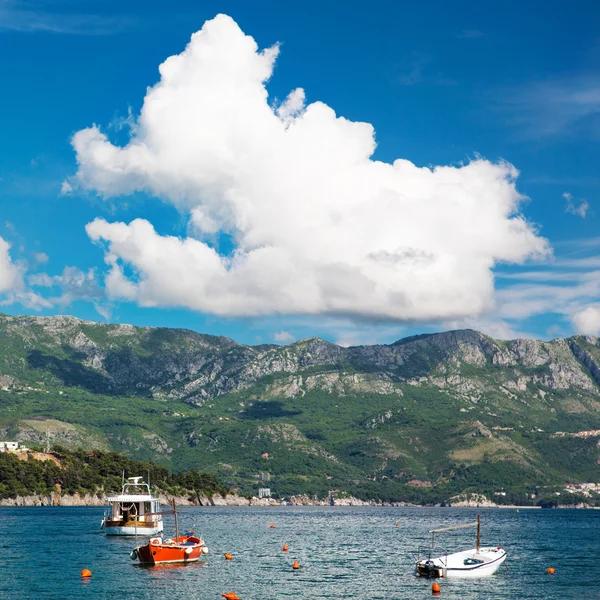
(285,548)
(397,524)
(228,556)
(295,565)
(435,588)
(271,526)
(86,573)
(230,596)
(204,550)
(550,570)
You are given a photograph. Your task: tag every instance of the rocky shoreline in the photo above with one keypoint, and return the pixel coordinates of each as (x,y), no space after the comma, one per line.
(57,499)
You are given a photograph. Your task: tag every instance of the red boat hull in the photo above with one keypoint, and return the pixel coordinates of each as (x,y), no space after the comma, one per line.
(184,549)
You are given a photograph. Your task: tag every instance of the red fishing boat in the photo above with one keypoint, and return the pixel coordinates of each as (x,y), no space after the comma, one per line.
(181,549)
(186,548)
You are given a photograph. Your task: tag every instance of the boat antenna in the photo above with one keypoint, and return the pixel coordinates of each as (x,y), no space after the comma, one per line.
(123,479)
(478,531)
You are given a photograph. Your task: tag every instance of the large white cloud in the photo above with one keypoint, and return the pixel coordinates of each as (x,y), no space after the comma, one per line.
(587,320)
(318,226)
(10,276)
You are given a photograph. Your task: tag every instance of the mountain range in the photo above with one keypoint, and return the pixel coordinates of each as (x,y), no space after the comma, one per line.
(422,419)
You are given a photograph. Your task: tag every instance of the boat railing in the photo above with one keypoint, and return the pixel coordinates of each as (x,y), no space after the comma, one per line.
(428,552)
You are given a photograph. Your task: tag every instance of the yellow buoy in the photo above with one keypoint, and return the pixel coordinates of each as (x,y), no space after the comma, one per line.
(86,573)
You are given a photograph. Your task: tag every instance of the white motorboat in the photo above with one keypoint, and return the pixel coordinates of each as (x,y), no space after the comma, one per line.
(133,512)
(476,562)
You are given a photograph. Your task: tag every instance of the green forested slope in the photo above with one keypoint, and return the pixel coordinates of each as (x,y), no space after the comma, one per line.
(94,472)
(426,417)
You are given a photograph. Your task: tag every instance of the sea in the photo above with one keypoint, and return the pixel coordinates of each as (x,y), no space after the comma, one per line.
(365,553)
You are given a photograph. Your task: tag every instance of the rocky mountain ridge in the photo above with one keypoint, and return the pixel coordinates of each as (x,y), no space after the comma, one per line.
(422,408)
(182,364)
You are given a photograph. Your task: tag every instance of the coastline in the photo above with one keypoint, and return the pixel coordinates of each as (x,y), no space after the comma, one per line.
(56,499)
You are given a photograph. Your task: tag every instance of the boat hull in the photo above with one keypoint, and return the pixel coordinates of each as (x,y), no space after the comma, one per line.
(131,530)
(183,550)
(470,563)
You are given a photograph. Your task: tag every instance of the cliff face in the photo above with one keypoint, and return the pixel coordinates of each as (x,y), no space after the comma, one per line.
(416,409)
(181,364)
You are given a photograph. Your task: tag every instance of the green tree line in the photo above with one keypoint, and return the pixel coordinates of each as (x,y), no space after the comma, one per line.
(95,472)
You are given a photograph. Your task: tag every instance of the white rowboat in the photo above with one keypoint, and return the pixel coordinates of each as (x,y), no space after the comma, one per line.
(476,562)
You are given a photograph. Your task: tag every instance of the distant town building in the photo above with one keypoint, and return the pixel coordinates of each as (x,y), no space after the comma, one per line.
(12,447)
(264,493)
(265,455)
(265,476)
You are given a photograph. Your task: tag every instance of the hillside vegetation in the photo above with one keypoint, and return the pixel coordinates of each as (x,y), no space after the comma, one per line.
(419,420)
(94,472)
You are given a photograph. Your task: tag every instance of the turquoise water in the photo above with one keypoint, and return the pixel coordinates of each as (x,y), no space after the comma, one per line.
(344,553)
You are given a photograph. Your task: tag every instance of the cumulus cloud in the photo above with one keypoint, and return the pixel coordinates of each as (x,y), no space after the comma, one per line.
(73,283)
(10,275)
(283,337)
(318,226)
(65,188)
(41,258)
(587,320)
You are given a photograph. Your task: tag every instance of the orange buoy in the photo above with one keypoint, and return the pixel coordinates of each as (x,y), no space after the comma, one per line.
(285,548)
(295,565)
(435,588)
(86,573)
(397,524)
(228,556)
(271,526)
(230,596)
(550,570)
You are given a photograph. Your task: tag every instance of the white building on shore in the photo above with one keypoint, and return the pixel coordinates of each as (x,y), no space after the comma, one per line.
(12,447)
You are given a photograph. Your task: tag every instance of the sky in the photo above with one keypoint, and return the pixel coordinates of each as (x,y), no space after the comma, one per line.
(357,171)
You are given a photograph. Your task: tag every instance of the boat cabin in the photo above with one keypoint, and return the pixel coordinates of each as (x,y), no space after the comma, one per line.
(134,511)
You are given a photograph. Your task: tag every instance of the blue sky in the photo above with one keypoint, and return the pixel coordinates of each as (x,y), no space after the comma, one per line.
(442,84)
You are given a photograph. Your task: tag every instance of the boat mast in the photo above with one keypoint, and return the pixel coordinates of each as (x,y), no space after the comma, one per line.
(176,522)
(478,531)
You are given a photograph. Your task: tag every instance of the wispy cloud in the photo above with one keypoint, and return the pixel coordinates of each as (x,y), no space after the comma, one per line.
(564,288)
(499,329)
(33,17)
(548,275)
(587,262)
(580,209)
(418,72)
(583,181)
(558,292)
(559,107)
